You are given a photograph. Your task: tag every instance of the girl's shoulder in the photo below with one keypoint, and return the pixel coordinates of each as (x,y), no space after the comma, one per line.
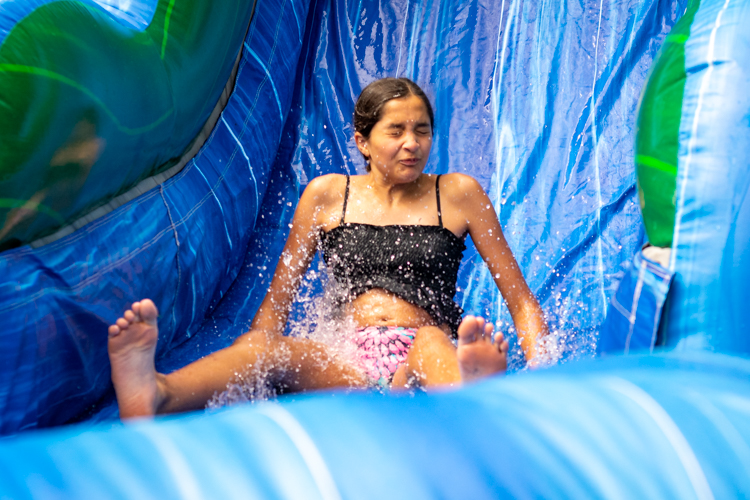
(327,185)
(324,191)
(458,186)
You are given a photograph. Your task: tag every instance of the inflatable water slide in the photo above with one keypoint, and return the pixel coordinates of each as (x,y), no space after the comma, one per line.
(157,148)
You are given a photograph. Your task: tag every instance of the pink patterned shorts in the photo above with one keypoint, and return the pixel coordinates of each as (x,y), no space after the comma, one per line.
(382,349)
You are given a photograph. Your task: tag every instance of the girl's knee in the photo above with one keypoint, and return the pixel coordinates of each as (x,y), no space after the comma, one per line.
(430,334)
(432,359)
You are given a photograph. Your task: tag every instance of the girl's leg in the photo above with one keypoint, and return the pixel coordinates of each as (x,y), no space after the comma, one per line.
(434,361)
(295,364)
(431,362)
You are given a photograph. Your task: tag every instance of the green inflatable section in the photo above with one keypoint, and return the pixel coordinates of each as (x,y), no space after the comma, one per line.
(657,139)
(91,106)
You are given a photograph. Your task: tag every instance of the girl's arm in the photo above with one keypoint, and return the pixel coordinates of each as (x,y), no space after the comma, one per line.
(468,197)
(298,252)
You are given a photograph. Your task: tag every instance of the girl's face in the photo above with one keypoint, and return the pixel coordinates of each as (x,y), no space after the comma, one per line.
(399,144)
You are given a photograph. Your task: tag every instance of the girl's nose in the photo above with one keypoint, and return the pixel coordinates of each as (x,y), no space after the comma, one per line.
(410,142)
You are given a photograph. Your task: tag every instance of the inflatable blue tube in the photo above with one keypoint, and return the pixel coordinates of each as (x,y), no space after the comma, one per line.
(712,220)
(182,243)
(695,297)
(672,426)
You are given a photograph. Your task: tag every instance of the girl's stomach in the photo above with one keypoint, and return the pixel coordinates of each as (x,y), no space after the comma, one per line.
(377,307)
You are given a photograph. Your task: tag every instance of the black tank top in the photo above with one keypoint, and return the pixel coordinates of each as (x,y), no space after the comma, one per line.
(417,263)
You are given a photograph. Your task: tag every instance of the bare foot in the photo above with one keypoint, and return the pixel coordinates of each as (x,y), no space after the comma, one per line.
(132,346)
(478,356)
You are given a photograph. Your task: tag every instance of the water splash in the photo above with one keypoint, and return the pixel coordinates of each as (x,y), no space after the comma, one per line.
(320,320)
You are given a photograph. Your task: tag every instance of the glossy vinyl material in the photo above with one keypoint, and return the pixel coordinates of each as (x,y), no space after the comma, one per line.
(712,221)
(635,311)
(182,244)
(636,427)
(96,98)
(553,148)
(706,304)
(658,136)
(538,102)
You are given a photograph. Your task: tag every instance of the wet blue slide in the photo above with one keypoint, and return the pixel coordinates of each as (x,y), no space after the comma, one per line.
(537,100)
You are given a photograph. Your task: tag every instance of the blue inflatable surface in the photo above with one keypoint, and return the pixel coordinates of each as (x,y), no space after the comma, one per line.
(538,102)
(57,300)
(625,428)
(552,147)
(713,216)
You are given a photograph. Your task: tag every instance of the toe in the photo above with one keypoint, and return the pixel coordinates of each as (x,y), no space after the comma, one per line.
(148,311)
(488,328)
(114,330)
(467,331)
(129,315)
(122,323)
(503,346)
(479,325)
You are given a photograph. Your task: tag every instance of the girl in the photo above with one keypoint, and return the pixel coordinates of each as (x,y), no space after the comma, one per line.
(393,240)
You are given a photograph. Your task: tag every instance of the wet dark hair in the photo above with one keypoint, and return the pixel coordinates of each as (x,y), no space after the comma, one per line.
(369,107)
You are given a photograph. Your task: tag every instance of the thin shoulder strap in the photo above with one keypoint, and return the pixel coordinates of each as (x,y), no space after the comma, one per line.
(346,198)
(437,195)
